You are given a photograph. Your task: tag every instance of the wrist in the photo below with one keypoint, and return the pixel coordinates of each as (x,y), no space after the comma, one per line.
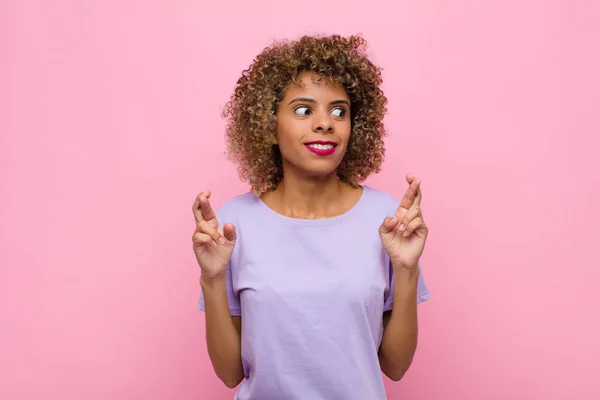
(406,273)
(406,282)
(210,281)
(399,266)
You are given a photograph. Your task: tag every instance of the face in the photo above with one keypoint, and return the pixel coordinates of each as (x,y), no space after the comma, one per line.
(313,126)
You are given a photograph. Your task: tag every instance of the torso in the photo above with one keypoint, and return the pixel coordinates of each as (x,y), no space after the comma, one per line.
(311,294)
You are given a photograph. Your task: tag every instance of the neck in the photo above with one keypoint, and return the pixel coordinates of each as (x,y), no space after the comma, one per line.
(311,198)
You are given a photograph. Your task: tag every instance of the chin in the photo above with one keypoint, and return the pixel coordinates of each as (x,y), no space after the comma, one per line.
(321,172)
(319,168)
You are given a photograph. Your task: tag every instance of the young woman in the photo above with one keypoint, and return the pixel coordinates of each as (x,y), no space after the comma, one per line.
(310,282)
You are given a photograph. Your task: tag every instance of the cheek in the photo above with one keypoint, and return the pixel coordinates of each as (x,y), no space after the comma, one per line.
(345,132)
(284,142)
(289,134)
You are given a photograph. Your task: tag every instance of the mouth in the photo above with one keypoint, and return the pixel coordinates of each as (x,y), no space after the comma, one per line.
(321,148)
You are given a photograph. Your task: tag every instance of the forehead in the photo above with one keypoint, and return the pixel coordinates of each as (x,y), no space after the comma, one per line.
(313,85)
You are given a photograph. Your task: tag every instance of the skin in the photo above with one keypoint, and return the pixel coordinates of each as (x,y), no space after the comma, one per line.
(313,110)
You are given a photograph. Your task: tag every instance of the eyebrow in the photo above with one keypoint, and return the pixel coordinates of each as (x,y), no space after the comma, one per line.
(308,100)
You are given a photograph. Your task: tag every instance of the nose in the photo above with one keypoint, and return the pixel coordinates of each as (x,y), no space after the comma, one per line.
(322,122)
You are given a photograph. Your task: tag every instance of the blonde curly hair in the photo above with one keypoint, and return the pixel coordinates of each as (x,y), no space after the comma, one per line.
(251,112)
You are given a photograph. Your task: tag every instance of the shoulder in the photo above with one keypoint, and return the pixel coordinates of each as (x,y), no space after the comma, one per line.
(380,200)
(235,206)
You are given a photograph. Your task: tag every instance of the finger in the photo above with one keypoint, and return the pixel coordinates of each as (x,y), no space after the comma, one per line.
(410,195)
(207,212)
(196,208)
(411,214)
(409,199)
(419,196)
(415,224)
(229,232)
(200,239)
(389,224)
(205,227)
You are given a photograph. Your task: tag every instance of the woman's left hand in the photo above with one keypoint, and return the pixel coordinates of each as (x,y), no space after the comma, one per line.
(403,236)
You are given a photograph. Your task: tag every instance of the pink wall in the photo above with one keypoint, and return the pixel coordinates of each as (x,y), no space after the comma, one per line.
(109,126)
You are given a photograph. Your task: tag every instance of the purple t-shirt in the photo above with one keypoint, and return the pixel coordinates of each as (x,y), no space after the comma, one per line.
(311,294)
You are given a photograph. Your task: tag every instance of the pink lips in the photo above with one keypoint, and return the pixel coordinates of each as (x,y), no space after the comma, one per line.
(321,152)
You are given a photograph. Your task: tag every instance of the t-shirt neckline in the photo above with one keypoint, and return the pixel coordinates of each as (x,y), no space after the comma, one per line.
(272,215)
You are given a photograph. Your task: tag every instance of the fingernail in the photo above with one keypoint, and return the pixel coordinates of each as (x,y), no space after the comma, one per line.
(401,227)
(406,233)
(221,240)
(393,220)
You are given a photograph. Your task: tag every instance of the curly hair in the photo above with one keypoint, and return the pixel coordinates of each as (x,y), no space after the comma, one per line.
(251,112)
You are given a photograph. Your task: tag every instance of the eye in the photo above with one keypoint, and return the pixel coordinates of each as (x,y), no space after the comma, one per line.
(302,110)
(339,112)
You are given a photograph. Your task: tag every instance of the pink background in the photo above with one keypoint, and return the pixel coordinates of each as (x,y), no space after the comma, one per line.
(110,125)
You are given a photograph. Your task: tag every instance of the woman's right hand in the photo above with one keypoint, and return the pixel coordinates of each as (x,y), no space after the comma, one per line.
(213,244)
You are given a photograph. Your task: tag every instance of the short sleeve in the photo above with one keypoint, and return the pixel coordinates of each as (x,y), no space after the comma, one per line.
(234,300)
(422,289)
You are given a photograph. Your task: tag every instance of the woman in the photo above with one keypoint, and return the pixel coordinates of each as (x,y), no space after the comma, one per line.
(310,282)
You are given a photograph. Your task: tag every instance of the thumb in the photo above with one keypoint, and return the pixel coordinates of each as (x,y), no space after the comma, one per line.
(388,225)
(229,232)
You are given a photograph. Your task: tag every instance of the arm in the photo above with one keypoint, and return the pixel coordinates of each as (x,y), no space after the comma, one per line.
(400,327)
(403,237)
(223,332)
(213,247)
